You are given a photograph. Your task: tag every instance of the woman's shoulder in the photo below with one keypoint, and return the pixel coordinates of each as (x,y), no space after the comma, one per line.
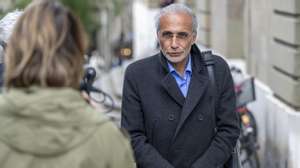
(110,145)
(109,133)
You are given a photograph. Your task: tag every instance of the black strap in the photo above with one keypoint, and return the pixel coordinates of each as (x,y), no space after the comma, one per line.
(234,161)
(209,63)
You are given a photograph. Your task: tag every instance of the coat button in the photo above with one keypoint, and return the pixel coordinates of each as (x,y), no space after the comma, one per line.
(200,117)
(178,149)
(211,98)
(171,117)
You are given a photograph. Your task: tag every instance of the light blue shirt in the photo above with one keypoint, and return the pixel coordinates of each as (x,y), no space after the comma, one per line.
(183,82)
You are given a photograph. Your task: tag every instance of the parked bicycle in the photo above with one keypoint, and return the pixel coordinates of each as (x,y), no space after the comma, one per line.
(245,92)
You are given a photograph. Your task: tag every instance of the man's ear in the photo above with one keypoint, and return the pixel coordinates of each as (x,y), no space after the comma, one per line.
(157,34)
(157,37)
(194,37)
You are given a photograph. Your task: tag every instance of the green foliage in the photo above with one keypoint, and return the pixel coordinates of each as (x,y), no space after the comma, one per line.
(21,4)
(82,8)
(118,4)
(2,14)
(86,10)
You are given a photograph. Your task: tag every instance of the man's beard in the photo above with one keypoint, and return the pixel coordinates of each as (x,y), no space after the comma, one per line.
(175,59)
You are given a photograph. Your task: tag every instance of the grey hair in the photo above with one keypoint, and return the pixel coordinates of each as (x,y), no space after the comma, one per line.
(6,27)
(175,8)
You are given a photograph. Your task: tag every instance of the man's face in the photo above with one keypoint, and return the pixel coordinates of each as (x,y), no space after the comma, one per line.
(176,36)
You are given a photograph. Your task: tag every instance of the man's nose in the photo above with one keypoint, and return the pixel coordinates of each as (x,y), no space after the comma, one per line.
(174,42)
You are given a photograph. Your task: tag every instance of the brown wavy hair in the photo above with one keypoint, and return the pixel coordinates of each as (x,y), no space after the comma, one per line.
(46,48)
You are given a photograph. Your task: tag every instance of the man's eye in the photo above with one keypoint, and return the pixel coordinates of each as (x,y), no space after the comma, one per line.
(167,35)
(183,35)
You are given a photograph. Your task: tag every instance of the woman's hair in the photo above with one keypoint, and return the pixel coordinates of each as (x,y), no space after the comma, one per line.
(46,48)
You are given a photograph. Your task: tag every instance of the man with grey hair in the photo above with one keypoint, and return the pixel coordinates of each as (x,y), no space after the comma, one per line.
(6,26)
(174,115)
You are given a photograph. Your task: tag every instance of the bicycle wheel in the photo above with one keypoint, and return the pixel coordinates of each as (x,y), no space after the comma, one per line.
(253,124)
(251,161)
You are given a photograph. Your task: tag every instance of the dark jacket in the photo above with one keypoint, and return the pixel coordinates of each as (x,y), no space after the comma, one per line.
(168,130)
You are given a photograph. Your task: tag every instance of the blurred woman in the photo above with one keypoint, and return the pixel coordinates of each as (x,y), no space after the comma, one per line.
(44,120)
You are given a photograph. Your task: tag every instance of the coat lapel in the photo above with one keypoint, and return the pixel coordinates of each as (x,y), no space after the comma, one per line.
(198,85)
(169,83)
(172,89)
(197,88)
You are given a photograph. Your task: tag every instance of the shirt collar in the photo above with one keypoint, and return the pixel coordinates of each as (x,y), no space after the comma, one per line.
(188,67)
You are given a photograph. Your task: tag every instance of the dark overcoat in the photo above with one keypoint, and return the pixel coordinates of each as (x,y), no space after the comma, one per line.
(170,131)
